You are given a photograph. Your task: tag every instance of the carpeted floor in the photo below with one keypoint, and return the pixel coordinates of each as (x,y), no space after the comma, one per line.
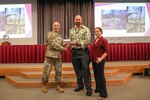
(138,88)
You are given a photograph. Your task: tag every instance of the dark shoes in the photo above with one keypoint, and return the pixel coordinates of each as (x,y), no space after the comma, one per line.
(88,93)
(78,89)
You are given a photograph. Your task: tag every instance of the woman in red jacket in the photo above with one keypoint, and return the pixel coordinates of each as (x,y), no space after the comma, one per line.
(99,49)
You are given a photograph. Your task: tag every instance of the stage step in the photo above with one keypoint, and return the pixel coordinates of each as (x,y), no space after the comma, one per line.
(31,76)
(20,81)
(65,74)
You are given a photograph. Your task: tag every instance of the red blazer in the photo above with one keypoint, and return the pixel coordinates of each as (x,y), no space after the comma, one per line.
(99,48)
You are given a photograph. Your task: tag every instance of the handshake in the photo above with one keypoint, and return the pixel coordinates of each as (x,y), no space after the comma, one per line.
(68,44)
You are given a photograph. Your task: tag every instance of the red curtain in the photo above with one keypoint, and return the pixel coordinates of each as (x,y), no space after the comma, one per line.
(36,53)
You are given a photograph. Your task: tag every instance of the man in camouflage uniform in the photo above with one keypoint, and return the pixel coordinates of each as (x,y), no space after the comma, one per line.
(80,37)
(53,57)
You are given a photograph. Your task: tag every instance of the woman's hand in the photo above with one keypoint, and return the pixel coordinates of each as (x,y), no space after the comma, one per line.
(98,60)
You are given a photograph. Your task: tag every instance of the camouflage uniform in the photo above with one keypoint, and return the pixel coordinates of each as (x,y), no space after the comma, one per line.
(53,57)
(80,55)
(82,36)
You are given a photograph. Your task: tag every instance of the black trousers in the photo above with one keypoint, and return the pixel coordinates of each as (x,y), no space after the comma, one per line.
(81,61)
(100,78)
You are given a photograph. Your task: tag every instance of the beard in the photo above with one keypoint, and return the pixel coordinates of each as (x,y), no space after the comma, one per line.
(78,23)
(56,30)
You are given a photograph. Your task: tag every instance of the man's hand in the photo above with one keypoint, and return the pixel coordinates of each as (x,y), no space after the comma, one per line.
(67,46)
(64,43)
(73,43)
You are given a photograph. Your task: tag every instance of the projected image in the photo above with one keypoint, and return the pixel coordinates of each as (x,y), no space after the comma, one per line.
(123,19)
(114,19)
(15,21)
(135,19)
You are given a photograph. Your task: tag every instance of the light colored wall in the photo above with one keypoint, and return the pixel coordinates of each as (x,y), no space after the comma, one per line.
(125,39)
(33,40)
(129,39)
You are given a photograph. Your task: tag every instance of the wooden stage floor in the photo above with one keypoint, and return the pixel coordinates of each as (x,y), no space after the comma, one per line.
(29,74)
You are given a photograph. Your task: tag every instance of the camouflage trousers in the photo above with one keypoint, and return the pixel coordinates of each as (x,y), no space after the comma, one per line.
(48,65)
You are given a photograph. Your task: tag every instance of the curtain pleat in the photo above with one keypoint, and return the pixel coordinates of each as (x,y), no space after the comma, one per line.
(64,12)
(35,53)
